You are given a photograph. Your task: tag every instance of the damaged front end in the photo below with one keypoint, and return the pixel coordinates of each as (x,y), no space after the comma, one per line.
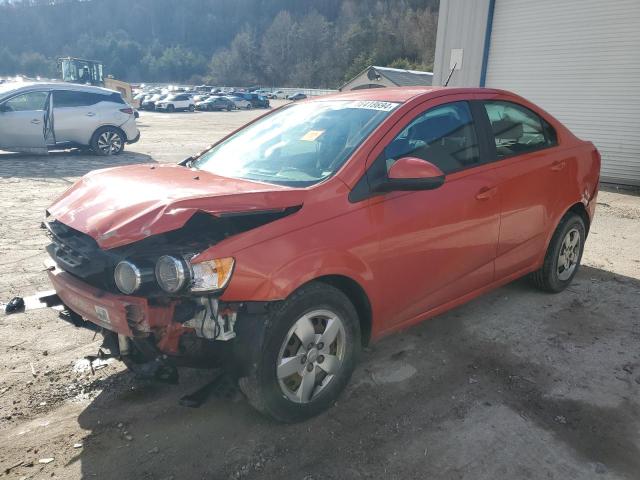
(156,307)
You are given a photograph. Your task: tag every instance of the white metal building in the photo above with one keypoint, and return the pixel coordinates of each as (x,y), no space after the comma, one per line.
(578,59)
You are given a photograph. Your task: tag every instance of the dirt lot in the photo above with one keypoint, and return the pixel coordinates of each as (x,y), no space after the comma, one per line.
(517,384)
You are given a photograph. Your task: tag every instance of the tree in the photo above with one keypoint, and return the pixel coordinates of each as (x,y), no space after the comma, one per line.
(313,43)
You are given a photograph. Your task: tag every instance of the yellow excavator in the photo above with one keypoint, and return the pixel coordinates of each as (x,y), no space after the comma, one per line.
(91,72)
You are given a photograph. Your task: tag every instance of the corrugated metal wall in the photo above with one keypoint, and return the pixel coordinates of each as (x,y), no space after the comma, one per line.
(579,60)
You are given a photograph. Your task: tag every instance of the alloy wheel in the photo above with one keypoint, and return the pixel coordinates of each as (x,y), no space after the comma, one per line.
(569,254)
(109,143)
(311,355)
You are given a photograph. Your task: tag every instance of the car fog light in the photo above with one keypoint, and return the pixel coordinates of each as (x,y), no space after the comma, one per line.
(211,275)
(128,277)
(172,273)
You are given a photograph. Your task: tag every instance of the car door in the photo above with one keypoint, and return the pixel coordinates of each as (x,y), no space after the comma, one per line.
(529,179)
(435,245)
(23,122)
(76,116)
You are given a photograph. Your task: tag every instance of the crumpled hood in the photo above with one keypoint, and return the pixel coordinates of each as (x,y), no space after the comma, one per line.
(118,206)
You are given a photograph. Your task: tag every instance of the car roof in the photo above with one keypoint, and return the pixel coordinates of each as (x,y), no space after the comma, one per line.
(399,94)
(15,87)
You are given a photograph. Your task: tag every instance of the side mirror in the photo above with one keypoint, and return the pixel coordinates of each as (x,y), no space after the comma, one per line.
(410,173)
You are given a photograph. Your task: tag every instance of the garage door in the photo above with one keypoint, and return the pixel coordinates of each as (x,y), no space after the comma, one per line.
(580,61)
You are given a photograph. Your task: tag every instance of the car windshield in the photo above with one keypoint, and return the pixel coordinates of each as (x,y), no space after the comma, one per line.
(297,146)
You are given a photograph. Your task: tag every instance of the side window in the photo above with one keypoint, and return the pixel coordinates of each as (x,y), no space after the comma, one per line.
(26,102)
(516,129)
(444,135)
(70,98)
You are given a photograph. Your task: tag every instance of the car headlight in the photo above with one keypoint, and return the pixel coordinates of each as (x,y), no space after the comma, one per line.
(129,277)
(172,273)
(211,275)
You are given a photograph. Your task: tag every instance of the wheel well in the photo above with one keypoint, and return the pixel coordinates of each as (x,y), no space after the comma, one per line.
(579,209)
(358,297)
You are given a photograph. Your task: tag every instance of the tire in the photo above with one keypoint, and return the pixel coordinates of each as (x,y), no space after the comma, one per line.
(291,398)
(171,108)
(249,107)
(108,141)
(562,260)
(192,108)
(229,108)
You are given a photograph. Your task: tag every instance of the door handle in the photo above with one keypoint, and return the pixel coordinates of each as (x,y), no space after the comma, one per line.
(91,114)
(558,165)
(35,121)
(485,193)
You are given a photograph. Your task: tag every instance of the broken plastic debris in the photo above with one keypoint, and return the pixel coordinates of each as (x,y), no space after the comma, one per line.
(16,304)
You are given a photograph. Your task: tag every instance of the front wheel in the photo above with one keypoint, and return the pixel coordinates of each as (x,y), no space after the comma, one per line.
(249,107)
(192,108)
(107,141)
(562,260)
(171,108)
(310,351)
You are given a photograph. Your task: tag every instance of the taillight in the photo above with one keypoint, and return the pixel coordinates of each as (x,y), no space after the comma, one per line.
(128,111)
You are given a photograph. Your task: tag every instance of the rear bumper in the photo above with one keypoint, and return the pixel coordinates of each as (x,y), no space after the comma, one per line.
(134,140)
(122,314)
(130,129)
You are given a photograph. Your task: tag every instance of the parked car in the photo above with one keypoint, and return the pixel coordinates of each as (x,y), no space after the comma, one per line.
(240,102)
(279,94)
(257,100)
(38,117)
(216,103)
(233,258)
(200,97)
(175,102)
(149,102)
(297,96)
(204,88)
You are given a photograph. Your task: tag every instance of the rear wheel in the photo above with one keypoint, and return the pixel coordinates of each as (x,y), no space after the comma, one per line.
(229,108)
(563,256)
(310,351)
(108,141)
(192,108)
(249,107)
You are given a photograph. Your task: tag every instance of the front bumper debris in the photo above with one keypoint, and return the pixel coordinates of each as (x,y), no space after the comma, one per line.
(122,314)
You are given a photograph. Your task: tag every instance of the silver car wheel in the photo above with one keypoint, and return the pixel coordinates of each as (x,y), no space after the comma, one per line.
(110,142)
(311,355)
(569,254)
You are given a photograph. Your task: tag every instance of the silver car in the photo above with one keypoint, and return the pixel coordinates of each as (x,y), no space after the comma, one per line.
(38,117)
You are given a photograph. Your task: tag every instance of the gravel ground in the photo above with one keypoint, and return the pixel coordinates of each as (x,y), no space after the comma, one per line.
(516,384)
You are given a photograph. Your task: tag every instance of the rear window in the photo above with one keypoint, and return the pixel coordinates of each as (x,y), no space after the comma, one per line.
(517,130)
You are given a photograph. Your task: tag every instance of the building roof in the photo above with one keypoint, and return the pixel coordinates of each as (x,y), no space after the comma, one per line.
(404,78)
(396,76)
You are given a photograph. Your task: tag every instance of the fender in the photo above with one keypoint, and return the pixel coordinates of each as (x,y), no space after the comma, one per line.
(278,284)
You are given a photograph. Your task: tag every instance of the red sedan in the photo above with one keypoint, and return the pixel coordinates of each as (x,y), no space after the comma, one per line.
(320,227)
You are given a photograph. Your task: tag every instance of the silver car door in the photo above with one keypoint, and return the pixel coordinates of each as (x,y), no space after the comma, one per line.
(22,123)
(76,116)
(49,132)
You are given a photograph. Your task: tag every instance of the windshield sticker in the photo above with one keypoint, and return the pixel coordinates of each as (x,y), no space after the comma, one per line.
(312,135)
(373,105)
